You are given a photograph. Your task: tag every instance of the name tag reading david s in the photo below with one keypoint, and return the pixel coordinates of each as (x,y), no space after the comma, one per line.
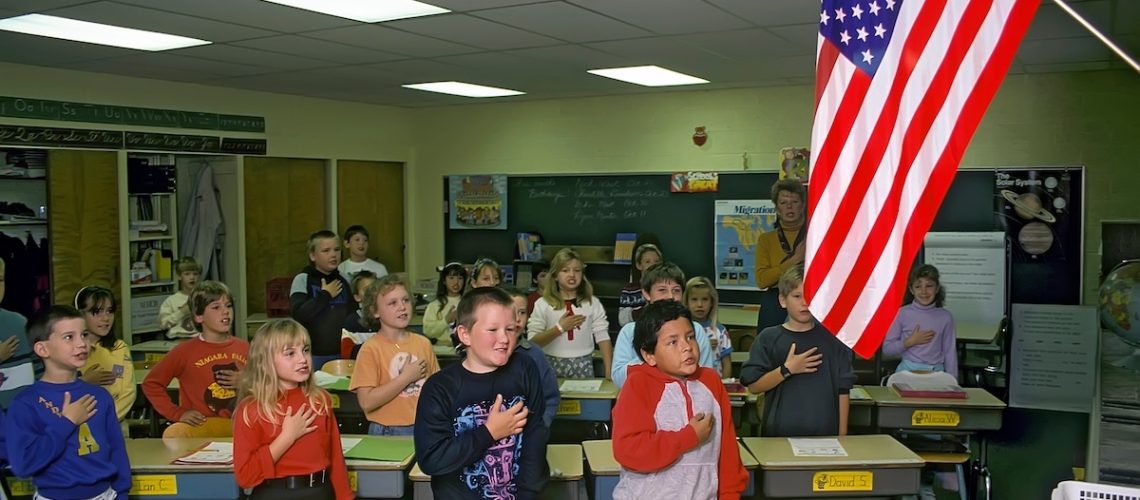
(842,480)
(935,418)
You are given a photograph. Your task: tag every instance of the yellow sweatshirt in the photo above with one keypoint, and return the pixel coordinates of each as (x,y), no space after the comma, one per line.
(123,389)
(770,263)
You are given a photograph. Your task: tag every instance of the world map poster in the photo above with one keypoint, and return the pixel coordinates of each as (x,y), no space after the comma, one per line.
(739,224)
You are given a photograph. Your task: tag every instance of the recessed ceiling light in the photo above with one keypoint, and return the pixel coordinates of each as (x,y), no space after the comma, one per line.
(102,34)
(649,76)
(367,11)
(463,89)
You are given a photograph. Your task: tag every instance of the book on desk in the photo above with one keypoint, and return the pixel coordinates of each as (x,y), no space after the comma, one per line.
(928,391)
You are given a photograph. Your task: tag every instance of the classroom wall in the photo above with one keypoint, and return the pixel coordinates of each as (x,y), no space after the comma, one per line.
(1035,120)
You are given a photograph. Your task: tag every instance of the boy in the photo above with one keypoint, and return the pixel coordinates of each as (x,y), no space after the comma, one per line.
(62,431)
(804,372)
(664,452)
(662,281)
(320,298)
(174,315)
(207,368)
(16,368)
(541,272)
(479,432)
(546,377)
(356,242)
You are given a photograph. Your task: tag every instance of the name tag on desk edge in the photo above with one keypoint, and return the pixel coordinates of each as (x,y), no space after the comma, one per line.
(154,484)
(935,418)
(21,487)
(569,407)
(153,357)
(335,399)
(352,480)
(842,480)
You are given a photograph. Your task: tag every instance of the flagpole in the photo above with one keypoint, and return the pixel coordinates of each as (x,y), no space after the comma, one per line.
(1092,29)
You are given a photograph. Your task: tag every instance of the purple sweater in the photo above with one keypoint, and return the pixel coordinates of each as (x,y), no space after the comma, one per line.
(940,351)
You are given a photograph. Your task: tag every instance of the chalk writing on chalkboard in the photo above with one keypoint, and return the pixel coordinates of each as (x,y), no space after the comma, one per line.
(593,200)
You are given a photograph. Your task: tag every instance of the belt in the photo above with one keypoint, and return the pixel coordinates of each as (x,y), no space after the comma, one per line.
(298,482)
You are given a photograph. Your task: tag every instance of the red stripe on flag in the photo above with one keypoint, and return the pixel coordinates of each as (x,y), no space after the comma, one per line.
(837,135)
(837,232)
(916,133)
(971,115)
(828,55)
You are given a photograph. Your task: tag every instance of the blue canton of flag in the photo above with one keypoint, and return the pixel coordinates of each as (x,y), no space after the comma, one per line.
(860,30)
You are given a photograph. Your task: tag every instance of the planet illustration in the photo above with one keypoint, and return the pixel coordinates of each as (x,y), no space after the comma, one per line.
(1028,206)
(1036,238)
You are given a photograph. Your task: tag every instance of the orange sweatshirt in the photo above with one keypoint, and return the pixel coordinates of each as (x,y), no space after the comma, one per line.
(195,363)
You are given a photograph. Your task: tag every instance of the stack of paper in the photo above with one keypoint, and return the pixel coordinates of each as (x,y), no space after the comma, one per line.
(587,385)
(214,453)
(827,447)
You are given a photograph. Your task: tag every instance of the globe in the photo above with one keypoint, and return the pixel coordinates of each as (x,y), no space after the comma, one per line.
(1120,308)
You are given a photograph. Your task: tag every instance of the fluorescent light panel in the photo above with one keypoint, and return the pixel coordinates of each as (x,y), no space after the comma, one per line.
(463,89)
(367,11)
(102,34)
(649,76)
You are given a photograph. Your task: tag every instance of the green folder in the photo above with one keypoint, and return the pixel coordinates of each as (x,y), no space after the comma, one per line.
(382,449)
(341,384)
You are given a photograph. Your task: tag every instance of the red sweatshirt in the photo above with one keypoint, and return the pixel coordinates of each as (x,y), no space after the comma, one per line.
(311,453)
(195,363)
(658,449)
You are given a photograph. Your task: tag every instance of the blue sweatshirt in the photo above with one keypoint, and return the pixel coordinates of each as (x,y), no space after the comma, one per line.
(66,461)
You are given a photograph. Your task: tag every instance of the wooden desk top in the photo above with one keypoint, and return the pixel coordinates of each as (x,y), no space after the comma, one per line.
(600,455)
(140,375)
(862,451)
(738,356)
(607,391)
(737,315)
(156,454)
(976,333)
(566,458)
(975,398)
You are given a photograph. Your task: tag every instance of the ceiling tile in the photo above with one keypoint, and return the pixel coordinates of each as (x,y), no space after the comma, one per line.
(771,12)
(1068,67)
(1062,50)
(741,45)
(318,49)
(254,13)
(167,66)
(420,70)
(1052,22)
(390,40)
(563,21)
(462,5)
(26,6)
(251,57)
(43,51)
(467,30)
(667,17)
(131,16)
(652,51)
(570,56)
(802,37)
(1126,18)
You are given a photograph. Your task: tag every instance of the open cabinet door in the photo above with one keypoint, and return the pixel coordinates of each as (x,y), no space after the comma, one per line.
(371,193)
(83,214)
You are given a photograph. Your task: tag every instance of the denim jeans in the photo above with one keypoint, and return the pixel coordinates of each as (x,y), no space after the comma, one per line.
(376,429)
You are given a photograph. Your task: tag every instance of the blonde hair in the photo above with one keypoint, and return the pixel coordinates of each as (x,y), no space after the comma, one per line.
(260,387)
(703,283)
(790,280)
(187,264)
(374,291)
(552,293)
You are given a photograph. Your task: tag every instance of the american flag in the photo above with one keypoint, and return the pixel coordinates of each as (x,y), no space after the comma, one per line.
(900,89)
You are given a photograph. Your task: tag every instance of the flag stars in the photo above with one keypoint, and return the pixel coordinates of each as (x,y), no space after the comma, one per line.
(840,15)
(890,4)
(880,31)
(862,34)
(845,38)
(874,7)
(824,18)
(857,11)
(867,56)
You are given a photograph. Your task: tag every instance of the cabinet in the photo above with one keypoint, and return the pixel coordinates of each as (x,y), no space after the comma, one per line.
(152,242)
(23,229)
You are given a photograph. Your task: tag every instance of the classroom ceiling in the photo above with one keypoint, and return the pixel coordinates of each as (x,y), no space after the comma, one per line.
(540,47)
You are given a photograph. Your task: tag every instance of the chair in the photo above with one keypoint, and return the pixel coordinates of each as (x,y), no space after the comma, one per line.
(339,367)
(958,457)
(213,427)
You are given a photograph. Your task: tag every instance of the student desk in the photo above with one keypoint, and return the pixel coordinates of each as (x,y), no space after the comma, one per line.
(980,411)
(152,351)
(565,461)
(861,413)
(976,334)
(605,471)
(155,476)
(589,406)
(875,466)
(739,316)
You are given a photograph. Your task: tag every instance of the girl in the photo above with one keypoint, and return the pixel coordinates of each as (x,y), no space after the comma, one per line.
(109,360)
(631,300)
(286,441)
(702,301)
(440,312)
(923,332)
(569,321)
(486,272)
(392,365)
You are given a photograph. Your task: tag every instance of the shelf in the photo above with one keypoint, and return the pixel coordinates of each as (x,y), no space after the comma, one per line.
(6,178)
(152,238)
(152,285)
(136,195)
(141,331)
(23,223)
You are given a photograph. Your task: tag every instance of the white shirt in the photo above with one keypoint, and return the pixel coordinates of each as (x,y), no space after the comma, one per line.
(348,268)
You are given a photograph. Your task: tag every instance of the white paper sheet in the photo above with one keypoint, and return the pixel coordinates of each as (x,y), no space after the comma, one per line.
(825,447)
(1053,357)
(346,443)
(580,386)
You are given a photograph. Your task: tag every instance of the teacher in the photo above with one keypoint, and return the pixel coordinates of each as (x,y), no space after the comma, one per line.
(783,246)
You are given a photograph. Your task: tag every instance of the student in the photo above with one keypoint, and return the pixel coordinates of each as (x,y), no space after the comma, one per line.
(109,364)
(485,272)
(16,368)
(320,297)
(569,321)
(62,431)
(392,365)
(356,242)
(923,332)
(546,377)
(673,430)
(174,316)
(480,433)
(355,332)
(207,368)
(663,281)
(440,313)
(631,299)
(783,247)
(702,300)
(541,272)
(804,372)
(286,440)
